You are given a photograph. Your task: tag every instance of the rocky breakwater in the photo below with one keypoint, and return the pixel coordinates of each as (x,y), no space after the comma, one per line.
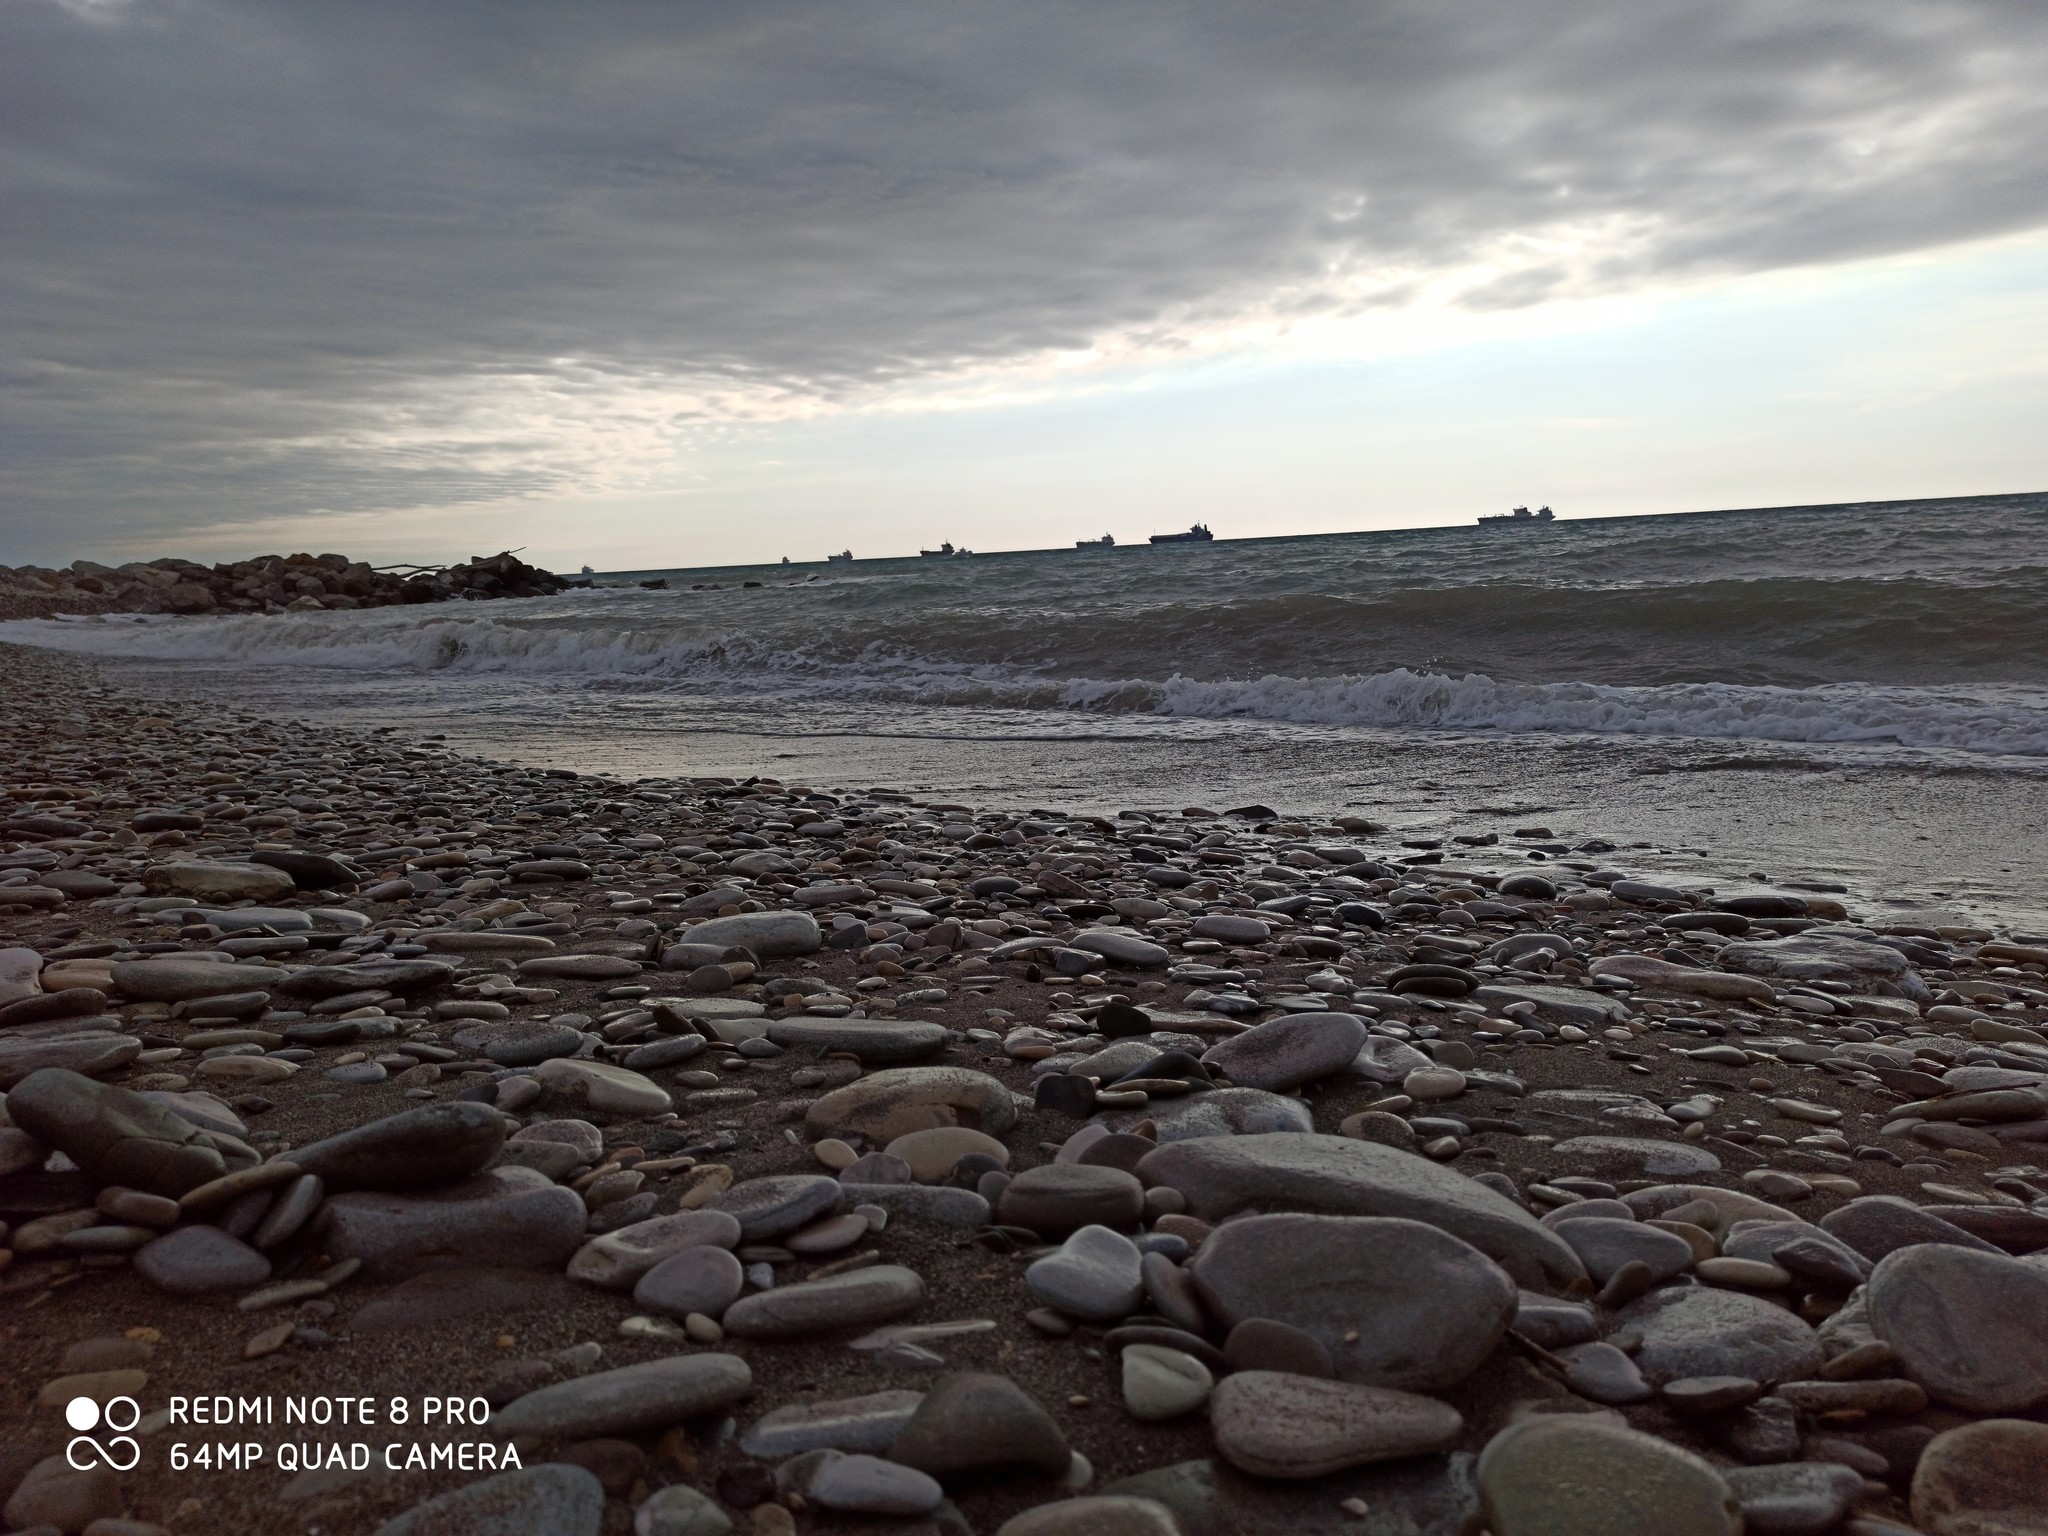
(776,1159)
(265,584)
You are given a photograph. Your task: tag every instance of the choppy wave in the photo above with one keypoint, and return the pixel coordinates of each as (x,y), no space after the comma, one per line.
(1919,625)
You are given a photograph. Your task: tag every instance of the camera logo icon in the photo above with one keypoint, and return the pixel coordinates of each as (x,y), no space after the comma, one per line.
(120,1415)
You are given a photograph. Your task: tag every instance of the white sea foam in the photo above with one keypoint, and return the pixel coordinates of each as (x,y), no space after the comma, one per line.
(672,653)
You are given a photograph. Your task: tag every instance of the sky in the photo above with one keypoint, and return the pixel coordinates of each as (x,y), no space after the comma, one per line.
(654,284)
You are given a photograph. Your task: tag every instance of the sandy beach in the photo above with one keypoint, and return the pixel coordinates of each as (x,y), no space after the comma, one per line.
(911,1098)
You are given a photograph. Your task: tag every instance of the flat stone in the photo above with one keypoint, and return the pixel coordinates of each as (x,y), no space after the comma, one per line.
(1604,1374)
(1876,1225)
(54,1495)
(1605,1244)
(628,1401)
(580,967)
(1639,1155)
(770,935)
(1288,1052)
(925,1202)
(529,1042)
(702,1279)
(856,1299)
(1226,1112)
(1394,1302)
(868,1485)
(449,1295)
(605,1088)
(1984,1479)
(1058,1198)
(1163,1383)
(1333,1175)
(195,1260)
(1557,1005)
(671,1052)
(895,1102)
(177,979)
(869,1039)
(94,1053)
(1972,1328)
(680,1510)
(115,1136)
(1574,1475)
(1264,1344)
(1274,1425)
(1706,1332)
(1121,946)
(1666,976)
(869,1423)
(420,1148)
(617,1260)
(1794,1498)
(222,882)
(931,1154)
(973,1422)
(1094,1276)
(767,1208)
(478,1224)
(1097,1515)
(1825,957)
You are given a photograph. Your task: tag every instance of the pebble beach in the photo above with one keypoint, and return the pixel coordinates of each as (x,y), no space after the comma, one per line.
(764,1156)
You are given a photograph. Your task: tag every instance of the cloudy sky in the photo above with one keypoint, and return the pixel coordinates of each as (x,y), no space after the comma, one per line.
(675,282)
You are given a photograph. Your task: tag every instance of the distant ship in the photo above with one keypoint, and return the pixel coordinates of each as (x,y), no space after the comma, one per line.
(946,552)
(1107,541)
(588,571)
(844,557)
(1199,534)
(1521,515)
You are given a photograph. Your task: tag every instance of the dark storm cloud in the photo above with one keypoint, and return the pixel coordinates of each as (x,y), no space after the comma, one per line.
(262,259)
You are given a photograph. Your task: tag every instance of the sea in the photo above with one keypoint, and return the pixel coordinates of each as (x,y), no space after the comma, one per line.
(1850,698)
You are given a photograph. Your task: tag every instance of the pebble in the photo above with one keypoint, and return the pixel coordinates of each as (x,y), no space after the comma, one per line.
(1703,1332)
(1288,1052)
(1395,1303)
(1162,1383)
(1794,1498)
(895,1102)
(1275,1425)
(473,1225)
(769,1207)
(771,935)
(1984,1479)
(1604,1245)
(864,1484)
(116,1136)
(1575,1475)
(680,1510)
(195,1260)
(702,1279)
(977,1422)
(617,1260)
(1339,1176)
(605,1088)
(1878,1224)
(930,1155)
(869,1039)
(868,1423)
(1972,1328)
(555,1497)
(1097,1515)
(1058,1198)
(855,1299)
(629,1400)
(1095,1276)
(420,1148)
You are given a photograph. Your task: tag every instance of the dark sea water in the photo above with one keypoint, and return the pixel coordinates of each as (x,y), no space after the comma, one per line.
(1851,694)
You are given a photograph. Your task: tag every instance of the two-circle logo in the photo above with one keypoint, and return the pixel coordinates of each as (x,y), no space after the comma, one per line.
(84,1415)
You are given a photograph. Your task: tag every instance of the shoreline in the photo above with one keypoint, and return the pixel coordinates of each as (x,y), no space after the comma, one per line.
(561,907)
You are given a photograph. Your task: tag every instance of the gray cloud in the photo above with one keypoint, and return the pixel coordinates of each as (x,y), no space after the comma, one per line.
(268,259)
